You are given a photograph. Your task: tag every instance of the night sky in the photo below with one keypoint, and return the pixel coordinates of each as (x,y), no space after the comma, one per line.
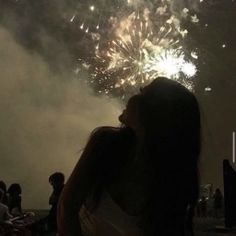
(41,97)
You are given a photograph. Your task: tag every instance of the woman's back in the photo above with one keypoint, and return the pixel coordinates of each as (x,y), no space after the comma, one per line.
(123,195)
(123,198)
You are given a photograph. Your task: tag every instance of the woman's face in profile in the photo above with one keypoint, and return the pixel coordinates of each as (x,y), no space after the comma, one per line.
(130,115)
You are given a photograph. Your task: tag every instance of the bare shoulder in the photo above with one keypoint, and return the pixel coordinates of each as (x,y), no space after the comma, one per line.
(105,136)
(105,131)
(99,145)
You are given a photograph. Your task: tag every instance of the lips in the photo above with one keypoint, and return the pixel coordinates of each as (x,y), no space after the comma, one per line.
(120,118)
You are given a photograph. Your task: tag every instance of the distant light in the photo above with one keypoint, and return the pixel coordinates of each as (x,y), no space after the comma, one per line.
(208,89)
(92,8)
(206,25)
(223,46)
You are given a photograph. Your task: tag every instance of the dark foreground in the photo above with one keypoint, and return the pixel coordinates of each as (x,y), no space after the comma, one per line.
(212,227)
(203,226)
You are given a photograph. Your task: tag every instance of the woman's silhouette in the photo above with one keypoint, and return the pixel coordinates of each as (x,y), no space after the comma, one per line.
(139,179)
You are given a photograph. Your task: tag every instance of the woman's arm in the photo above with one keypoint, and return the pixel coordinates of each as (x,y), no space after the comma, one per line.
(71,200)
(78,187)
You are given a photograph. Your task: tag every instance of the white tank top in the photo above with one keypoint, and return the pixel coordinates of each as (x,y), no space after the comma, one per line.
(110,220)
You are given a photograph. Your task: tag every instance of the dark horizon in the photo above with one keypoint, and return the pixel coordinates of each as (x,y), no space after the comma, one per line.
(48,112)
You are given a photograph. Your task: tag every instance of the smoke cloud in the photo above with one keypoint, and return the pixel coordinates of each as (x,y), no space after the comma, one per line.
(45,120)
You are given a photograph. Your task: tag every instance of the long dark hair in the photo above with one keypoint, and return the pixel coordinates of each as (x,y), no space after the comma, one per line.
(170,116)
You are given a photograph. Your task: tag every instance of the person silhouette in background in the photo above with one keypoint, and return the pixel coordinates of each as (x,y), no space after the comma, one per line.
(48,224)
(217,202)
(14,199)
(138,179)
(3,187)
(57,182)
(4,212)
(203,206)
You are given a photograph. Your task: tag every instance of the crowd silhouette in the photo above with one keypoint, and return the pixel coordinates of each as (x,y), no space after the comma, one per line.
(14,221)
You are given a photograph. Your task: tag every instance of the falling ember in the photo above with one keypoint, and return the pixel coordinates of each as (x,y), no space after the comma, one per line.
(72,18)
(82,26)
(194,55)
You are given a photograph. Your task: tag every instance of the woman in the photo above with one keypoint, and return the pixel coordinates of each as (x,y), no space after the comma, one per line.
(139,179)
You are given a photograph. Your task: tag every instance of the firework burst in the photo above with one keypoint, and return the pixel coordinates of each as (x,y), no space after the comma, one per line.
(139,47)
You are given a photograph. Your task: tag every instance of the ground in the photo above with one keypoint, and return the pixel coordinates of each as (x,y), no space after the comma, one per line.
(208,226)
(212,227)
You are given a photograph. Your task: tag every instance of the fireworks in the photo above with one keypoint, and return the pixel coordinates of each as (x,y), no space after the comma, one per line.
(139,47)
